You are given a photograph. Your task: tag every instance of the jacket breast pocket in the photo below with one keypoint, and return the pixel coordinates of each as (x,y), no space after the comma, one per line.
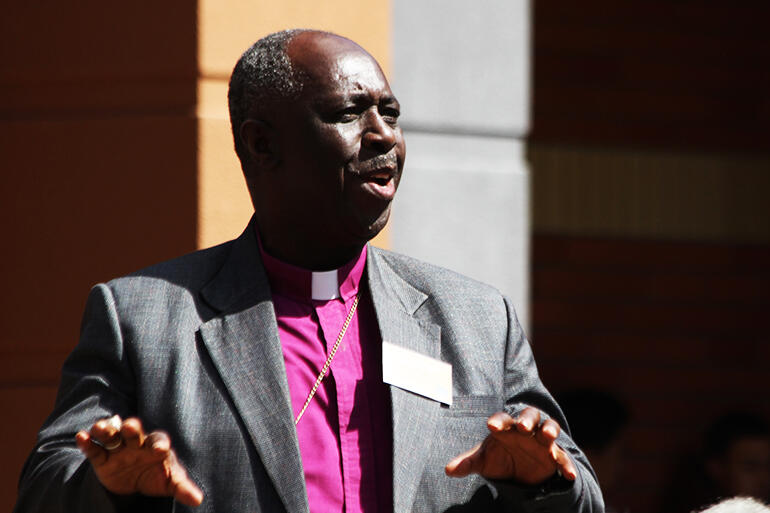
(464,424)
(472,406)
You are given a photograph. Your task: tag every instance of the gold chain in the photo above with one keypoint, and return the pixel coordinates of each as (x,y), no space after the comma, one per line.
(328,360)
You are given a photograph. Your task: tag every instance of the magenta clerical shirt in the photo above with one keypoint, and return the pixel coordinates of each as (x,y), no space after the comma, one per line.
(345,436)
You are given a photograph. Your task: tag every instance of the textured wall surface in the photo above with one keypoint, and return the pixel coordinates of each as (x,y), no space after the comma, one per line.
(650,178)
(461,75)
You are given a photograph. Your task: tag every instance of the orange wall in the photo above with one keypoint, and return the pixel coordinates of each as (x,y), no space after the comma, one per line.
(115,153)
(98,178)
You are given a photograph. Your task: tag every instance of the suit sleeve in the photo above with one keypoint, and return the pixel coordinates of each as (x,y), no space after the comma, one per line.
(96,382)
(523,388)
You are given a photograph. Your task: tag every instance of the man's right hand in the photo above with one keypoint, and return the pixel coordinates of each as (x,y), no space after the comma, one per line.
(141,463)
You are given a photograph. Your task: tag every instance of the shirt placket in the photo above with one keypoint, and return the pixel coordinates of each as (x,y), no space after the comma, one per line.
(347,371)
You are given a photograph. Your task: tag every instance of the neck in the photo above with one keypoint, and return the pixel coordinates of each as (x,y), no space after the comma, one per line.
(308,255)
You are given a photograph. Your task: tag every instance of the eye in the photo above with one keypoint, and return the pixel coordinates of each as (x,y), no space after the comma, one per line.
(348,114)
(390,115)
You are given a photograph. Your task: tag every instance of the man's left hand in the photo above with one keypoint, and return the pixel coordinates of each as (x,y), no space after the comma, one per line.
(520,449)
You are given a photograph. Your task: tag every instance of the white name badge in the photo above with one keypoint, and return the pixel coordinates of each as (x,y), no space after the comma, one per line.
(415,372)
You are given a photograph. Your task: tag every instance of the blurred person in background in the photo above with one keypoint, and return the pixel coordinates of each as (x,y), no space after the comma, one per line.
(734,460)
(737,456)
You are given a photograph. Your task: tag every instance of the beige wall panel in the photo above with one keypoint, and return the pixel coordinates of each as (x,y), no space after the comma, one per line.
(635,193)
(224,206)
(227,28)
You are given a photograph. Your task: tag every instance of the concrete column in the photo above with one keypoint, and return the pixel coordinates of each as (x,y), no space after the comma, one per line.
(461,73)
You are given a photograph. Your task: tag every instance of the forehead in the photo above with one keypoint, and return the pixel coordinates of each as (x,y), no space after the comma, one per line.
(335,65)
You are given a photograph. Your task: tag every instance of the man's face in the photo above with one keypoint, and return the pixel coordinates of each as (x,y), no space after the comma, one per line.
(340,146)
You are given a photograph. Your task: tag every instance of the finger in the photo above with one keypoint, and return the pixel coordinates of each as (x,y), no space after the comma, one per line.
(564,463)
(94,453)
(528,420)
(106,432)
(187,492)
(158,442)
(180,485)
(107,427)
(548,432)
(465,463)
(133,433)
(500,422)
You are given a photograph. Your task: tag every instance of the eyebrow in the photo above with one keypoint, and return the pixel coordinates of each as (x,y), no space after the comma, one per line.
(356,98)
(364,97)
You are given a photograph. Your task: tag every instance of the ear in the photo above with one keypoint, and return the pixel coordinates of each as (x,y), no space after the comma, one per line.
(259,139)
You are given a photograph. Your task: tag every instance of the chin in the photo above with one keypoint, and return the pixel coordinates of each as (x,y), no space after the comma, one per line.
(368,229)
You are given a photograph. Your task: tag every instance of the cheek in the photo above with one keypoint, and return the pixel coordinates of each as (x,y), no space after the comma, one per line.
(347,142)
(401,152)
(401,144)
(319,143)
(338,142)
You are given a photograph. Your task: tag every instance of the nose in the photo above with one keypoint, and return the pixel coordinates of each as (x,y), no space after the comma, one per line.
(378,133)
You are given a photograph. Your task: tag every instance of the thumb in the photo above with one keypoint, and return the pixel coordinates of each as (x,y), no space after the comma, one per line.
(469,462)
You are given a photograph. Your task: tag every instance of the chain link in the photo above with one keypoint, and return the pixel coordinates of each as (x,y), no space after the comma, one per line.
(328,360)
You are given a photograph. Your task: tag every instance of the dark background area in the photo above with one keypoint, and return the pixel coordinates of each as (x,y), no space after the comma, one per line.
(651,254)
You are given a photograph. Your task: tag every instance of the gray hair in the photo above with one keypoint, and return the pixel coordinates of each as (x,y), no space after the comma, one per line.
(738,505)
(263,73)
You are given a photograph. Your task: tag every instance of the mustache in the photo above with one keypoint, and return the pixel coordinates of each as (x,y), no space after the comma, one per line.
(387,161)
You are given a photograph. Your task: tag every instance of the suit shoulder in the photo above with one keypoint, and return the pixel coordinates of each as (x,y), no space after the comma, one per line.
(433,279)
(190,271)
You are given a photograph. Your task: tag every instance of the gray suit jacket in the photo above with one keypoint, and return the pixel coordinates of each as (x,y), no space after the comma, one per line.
(191,347)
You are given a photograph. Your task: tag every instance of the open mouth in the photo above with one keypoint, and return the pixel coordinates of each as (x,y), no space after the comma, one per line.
(381,178)
(380,183)
(378,175)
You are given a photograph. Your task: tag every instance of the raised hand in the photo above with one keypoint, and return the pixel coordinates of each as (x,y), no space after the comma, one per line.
(126,460)
(520,449)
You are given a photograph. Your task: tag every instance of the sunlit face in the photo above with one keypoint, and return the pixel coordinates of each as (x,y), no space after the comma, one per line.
(341,148)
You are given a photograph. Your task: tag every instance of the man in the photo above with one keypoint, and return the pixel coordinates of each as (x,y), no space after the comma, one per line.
(736,453)
(250,375)
(734,461)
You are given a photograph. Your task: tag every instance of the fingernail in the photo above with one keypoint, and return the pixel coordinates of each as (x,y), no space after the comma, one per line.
(114,422)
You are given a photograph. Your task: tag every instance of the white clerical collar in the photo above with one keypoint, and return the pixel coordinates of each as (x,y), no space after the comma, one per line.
(324,286)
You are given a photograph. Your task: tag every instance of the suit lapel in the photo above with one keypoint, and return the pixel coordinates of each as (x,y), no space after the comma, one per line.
(414,416)
(244,346)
